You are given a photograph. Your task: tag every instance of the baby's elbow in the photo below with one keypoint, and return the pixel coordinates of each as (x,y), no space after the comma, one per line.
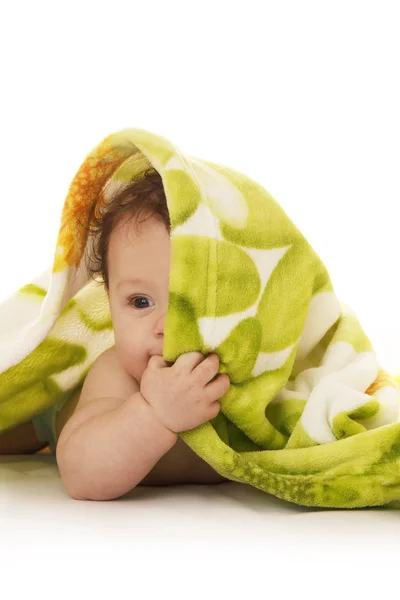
(79,487)
(98,497)
(71,479)
(75,496)
(77,492)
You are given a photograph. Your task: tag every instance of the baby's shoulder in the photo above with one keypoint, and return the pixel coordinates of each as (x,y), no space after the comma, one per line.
(108,377)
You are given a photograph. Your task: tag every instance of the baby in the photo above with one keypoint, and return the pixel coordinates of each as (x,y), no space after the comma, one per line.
(133,404)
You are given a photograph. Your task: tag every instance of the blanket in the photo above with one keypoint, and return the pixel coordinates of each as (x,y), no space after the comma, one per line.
(310,415)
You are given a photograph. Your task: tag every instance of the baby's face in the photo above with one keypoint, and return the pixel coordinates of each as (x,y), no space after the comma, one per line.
(138,308)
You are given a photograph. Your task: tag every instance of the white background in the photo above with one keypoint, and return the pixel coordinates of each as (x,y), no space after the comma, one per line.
(302,96)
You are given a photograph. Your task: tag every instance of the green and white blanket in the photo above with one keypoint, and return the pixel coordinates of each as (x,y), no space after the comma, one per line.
(310,415)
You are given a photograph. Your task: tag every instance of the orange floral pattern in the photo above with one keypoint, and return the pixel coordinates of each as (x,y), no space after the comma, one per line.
(85,188)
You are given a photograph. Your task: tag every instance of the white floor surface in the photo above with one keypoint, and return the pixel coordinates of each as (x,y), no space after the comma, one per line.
(217,539)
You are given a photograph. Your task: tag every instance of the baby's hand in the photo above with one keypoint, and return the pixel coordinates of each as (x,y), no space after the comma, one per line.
(182,394)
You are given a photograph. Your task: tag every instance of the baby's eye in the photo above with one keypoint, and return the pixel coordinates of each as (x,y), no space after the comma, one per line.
(131,300)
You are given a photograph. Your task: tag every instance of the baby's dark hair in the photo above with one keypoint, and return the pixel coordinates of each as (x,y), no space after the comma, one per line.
(143,195)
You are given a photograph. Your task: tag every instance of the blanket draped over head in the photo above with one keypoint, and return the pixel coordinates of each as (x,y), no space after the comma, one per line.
(310,415)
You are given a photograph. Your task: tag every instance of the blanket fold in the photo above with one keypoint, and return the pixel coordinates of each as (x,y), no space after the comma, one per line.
(310,415)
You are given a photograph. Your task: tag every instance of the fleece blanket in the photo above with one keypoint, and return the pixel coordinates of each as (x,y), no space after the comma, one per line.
(310,416)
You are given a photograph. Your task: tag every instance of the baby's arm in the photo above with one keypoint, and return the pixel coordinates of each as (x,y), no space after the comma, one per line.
(108,454)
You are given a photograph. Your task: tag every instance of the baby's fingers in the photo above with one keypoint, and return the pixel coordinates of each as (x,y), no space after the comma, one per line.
(207,368)
(218,387)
